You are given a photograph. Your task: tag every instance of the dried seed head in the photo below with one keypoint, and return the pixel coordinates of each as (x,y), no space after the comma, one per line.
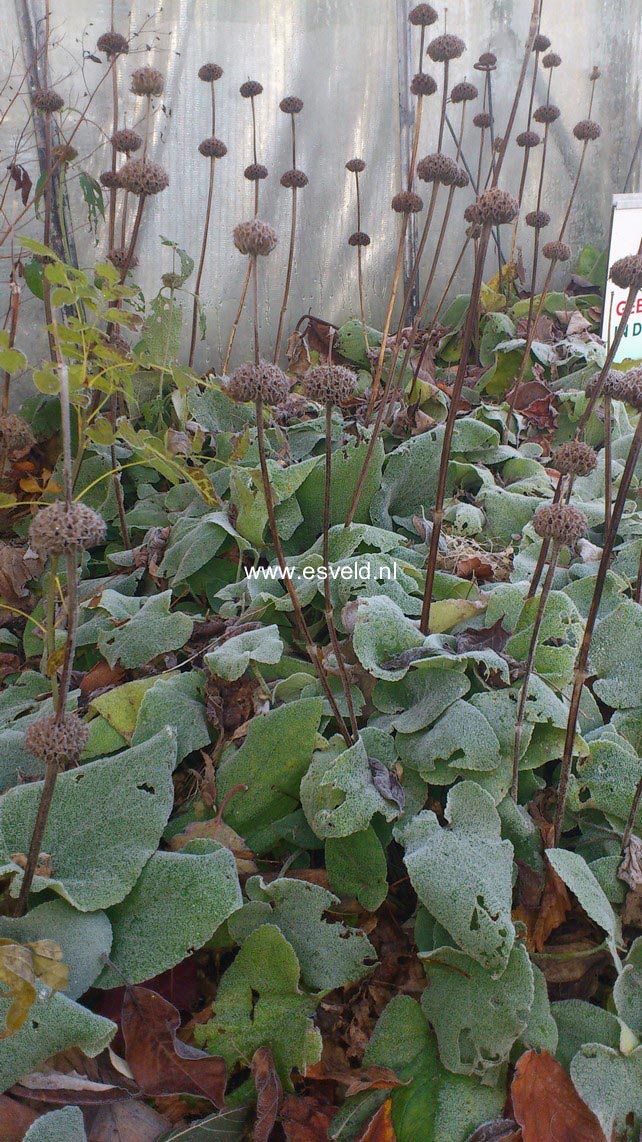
(528,139)
(614,385)
(574,458)
(423,84)
(118,258)
(141,177)
(627,272)
(255,171)
(359,238)
(563,523)
(498,145)
(473,231)
(595,74)
(407,203)
(463,93)
(483,119)
(497,206)
(64,153)
(112,44)
(587,130)
(126,141)
(446,47)
(547,113)
(355,166)
(15,434)
(462,179)
(633,389)
(210,72)
(422,15)
(538,219)
(56,530)
(294,179)
(264,380)
(486,62)
(472,215)
(551,60)
(111,180)
(250,88)
(291,105)
(437,168)
(556,251)
(541,43)
(58,743)
(212,148)
(46,100)
(147,81)
(329,384)
(172,281)
(254,238)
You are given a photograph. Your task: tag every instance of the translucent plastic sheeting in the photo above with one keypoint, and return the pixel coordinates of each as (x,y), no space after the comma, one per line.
(349,61)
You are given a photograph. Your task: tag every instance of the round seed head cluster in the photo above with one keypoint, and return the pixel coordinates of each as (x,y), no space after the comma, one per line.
(56,530)
(291,105)
(614,385)
(437,168)
(633,389)
(541,43)
(212,148)
(587,130)
(595,74)
(210,72)
(463,93)
(359,238)
(355,166)
(483,119)
(563,523)
(251,88)
(172,281)
(294,179)
(446,47)
(64,153)
(528,139)
(329,384)
(422,15)
(15,434)
(406,202)
(46,100)
(486,62)
(254,238)
(574,458)
(462,179)
(473,231)
(139,176)
(551,60)
(255,172)
(125,141)
(472,215)
(538,219)
(497,206)
(423,84)
(111,180)
(147,81)
(547,113)
(267,381)
(118,258)
(112,44)
(58,743)
(627,272)
(556,251)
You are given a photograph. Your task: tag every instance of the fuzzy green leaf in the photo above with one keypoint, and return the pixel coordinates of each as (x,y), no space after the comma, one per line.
(356,866)
(55,1023)
(610,1084)
(231,659)
(338,794)
(83,938)
(152,630)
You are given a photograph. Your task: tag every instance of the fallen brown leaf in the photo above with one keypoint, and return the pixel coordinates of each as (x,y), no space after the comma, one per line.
(269,1091)
(554,907)
(306,1119)
(159,1061)
(128,1120)
(380,1128)
(101,677)
(15,1119)
(546,1104)
(59,1089)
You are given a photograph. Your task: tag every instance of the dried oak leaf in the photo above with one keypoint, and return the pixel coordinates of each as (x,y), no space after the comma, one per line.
(269,1091)
(547,1105)
(129,1119)
(159,1061)
(306,1119)
(486,638)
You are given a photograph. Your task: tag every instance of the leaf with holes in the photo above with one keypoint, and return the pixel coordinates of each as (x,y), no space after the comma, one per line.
(338,794)
(611,1085)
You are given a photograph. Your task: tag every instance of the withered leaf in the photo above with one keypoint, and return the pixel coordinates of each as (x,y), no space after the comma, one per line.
(60,1089)
(269,1091)
(15,1118)
(159,1061)
(306,1119)
(547,1105)
(22,181)
(387,783)
(488,638)
(128,1119)
(380,1128)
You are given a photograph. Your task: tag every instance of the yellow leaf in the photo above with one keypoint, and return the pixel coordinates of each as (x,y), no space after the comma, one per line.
(509,273)
(447,613)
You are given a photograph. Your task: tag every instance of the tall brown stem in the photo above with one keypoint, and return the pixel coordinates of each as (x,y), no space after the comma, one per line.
(206,230)
(329,616)
(288,276)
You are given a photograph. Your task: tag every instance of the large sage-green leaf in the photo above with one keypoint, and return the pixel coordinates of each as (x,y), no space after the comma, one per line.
(259,1003)
(330,955)
(347,464)
(579,1022)
(231,659)
(463,874)
(55,1023)
(356,866)
(176,905)
(577,876)
(338,794)
(142,634)
(627,989)
(83,938)
(606,780)
(611,1084)
(65,1125)
(177,701)
(616,657)
(382,632)
(477,1018)
(105,822)
(271,762)
(462,736)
